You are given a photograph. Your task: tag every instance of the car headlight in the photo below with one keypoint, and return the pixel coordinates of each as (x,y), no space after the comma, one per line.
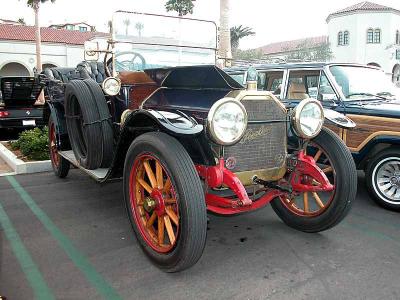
(227,121)
(308,118)
(111,86)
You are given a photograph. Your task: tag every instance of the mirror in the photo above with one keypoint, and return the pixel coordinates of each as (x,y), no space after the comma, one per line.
(91,51)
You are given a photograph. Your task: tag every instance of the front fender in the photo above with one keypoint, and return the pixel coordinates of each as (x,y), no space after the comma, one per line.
(175,123)
(338,119)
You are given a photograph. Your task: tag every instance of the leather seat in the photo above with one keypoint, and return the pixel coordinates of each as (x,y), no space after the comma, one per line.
(62,74)
(297,91)
(93,70)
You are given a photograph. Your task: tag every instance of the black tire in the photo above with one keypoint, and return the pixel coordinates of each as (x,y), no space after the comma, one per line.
(389,161)
(59,164)
(191,239)
(106,124)
(345,188)
(85,126)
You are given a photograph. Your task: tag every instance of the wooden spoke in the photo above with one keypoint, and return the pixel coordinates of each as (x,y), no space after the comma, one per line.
(170,201)
(172,215)
(167,185)
(150,174)
(318,200)
(145,185)
(160,231)
(159,175)
(327,170)
(150,221)
(305,201)
(318,155)
(169,228)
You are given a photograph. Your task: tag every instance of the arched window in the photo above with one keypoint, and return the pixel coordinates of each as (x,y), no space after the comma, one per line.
(346,37)
(340,38)
(397,37)
(370,36)
(377,36)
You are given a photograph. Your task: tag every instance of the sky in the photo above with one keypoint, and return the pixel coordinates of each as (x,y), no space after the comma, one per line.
(273,21)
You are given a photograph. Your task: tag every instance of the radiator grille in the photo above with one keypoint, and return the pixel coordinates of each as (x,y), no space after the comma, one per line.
(263,145)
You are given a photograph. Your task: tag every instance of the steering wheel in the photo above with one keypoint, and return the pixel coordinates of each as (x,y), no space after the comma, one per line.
(137,62)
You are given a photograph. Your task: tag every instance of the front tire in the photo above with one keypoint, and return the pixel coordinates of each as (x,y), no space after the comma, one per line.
(383,178)
(165,201)
(315,212)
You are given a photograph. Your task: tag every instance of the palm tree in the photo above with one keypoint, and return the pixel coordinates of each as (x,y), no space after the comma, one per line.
(127,23)
(139,27)
(225,50)
(237,33)
(35,4)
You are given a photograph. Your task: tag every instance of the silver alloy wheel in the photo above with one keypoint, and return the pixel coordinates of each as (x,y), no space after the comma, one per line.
(386,180)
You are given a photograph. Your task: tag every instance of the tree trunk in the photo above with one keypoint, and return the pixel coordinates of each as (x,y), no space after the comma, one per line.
(225,51)
(36,5)
(38,37)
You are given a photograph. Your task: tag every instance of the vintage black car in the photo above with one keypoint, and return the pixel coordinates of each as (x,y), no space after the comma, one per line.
(365,95)
(19,105)
(186,139)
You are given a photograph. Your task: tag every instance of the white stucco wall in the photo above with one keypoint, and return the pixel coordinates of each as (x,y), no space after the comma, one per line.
(358,51)
(60,55)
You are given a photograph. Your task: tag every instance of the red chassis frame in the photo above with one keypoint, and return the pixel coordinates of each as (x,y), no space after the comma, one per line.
(306,177)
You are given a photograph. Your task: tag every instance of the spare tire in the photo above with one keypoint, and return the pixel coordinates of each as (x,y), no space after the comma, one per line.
(106,123)
(84,125)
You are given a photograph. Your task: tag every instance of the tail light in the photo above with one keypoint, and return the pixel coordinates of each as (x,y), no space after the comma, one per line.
(4,113)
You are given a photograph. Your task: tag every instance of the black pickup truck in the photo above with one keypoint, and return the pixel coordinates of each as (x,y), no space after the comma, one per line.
(19,105)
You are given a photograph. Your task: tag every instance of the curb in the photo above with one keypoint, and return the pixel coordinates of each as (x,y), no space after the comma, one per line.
(22,167)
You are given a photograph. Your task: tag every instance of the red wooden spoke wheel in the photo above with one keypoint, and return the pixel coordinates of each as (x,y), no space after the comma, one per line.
(60,165)
(154,203)
(318,211)
(311,204)
(54,156)
(165,201)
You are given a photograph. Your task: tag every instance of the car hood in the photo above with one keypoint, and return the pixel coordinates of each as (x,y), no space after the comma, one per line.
(382,108)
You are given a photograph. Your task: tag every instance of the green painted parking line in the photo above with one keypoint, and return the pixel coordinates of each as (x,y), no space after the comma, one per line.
(101,285)
(28,266)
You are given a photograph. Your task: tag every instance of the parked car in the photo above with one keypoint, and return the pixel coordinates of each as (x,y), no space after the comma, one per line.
(19,107)
(187,138)
(365,95)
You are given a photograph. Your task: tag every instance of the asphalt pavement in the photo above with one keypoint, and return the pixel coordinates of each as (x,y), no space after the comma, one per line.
(70,239)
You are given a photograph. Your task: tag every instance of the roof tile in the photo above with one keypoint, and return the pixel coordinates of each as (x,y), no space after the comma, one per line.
(50,35)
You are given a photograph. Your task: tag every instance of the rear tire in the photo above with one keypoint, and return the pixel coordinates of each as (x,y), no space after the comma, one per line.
(60,165)
(382,178)
(179,245)
(343,175)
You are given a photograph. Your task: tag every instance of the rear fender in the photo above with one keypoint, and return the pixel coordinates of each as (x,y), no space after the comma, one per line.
(58,116)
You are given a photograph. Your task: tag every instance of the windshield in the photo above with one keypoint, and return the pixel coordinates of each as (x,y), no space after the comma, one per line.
(361,83)
(145,41)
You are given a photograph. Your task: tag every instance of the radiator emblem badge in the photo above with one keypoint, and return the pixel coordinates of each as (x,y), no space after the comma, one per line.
(230,163)
(253,134)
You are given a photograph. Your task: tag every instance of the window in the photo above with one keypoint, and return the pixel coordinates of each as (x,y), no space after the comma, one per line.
(377,36)
(326,92)
(397,37)
(340,38)
(370,36)
(346,38)
(70,27)
(302,84)
(82,28)
(271,81)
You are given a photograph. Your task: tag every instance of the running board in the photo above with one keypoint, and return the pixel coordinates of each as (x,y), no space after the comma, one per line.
(98,174)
